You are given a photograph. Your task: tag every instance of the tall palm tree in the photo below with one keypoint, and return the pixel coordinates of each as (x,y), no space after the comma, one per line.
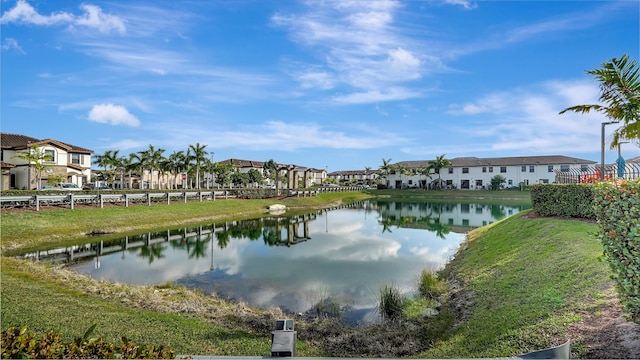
(438,164)
(620,97)
(36,158)
(154,159)
(366,172)
(177,163)
(141,163)
(109,161)
(199,156)
(424,171)
(385,169)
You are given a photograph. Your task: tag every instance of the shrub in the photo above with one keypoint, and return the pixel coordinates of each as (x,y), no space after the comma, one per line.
(19,343)
(568,200)
(391,302)
(430,286)
(617,210)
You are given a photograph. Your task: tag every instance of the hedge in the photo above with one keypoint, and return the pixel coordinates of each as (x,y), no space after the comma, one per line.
(566,200)
(617,210)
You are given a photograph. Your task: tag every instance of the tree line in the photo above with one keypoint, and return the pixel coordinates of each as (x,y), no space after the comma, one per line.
(169,170)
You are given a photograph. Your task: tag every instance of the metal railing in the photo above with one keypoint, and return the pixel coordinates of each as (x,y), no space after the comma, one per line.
(630,171)
(70,200)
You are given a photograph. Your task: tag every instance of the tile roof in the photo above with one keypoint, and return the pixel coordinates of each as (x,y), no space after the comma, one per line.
(20,142)
(504,161)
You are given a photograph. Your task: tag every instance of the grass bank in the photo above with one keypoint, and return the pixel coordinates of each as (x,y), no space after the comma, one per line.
(520,284)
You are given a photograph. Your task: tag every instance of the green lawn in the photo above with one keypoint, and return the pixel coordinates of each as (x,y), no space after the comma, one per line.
(527,280)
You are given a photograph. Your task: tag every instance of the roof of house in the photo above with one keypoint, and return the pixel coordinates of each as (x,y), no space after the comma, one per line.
(353,172)
(504,161)
(243,163)
(21,142)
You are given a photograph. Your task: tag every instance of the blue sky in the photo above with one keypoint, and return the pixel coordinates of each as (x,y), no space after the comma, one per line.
(335,84)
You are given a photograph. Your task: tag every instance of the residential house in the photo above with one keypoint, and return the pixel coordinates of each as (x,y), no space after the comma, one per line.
(360,177)
(70,162)
(476,173)
(291,176)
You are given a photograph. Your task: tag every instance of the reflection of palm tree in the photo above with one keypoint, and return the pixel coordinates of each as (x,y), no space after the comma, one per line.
(199,250)
(223,239)
(153,252)
(497,212)
(386,223)
(270,236)
(439,228)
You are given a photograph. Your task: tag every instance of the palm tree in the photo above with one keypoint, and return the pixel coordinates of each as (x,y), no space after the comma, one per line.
(366,172)
(386,169)
(36,158)
(140,163)
(109,161)
(424,171)
(620,97)
(177,161)
(199,156)
(154,158)
(438,164)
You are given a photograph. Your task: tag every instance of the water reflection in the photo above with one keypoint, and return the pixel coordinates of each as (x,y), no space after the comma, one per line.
(343,254)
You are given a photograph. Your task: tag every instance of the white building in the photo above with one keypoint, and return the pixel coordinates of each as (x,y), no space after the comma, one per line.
(476,173)
(69,162)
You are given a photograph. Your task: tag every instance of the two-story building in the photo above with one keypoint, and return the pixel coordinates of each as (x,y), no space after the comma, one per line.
(356,177)
(66,162)
(476,173)
(291,176)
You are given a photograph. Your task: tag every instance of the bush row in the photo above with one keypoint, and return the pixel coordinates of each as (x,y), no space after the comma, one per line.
(617,210)
(567,200)
(18,343)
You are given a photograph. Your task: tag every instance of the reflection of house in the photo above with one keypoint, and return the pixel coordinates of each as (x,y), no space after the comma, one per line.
(476,173)
(71,163)
(457,217)
(363,177)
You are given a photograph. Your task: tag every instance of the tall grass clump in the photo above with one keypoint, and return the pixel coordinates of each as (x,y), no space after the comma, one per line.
(430,286)
(391,302)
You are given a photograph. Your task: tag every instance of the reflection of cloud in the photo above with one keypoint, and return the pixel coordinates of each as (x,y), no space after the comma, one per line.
(349,262)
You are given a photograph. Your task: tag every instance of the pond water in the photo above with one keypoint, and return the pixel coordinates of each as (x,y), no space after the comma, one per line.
(339,256)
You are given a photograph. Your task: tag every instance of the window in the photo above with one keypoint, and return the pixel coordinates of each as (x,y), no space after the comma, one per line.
(484,169)
(544,181)
(503,169)
(50,155)
(550,168)
(465,208)
(465,222)
(450,170)
(465,170)
(584,168)
(532,168)
(510,182)
(564,168)
(524,168)
(491,169)
(75,158)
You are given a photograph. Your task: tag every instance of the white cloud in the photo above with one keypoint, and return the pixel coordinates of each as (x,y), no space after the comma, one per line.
(10,44)
(93,17)
(112,114)
(464,3)
(23,13)
(374,96)
(528,120)
(358,47)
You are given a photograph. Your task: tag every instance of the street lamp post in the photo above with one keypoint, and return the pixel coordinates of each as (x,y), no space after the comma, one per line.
(602,147)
